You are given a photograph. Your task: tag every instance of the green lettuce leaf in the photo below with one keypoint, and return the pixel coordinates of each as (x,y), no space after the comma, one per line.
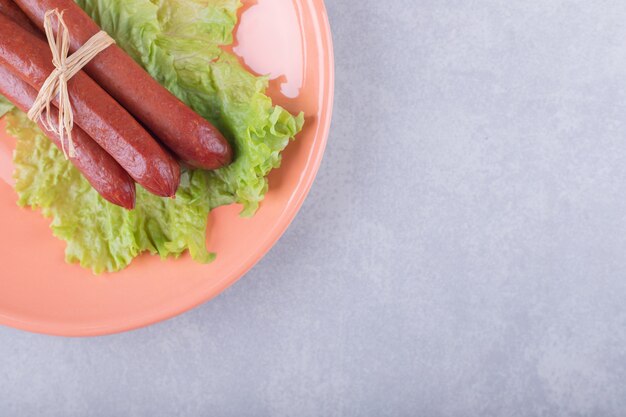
(178,43)
(5,106)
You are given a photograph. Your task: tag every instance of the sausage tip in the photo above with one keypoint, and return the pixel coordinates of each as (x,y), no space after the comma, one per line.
(124,197)
(166,180)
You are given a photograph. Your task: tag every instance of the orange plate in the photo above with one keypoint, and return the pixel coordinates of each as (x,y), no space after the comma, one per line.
(39,292)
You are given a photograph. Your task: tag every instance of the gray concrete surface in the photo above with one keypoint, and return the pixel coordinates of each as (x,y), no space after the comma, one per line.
(463,252)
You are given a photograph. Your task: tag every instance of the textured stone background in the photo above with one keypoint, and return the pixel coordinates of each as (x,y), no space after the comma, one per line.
(462,253)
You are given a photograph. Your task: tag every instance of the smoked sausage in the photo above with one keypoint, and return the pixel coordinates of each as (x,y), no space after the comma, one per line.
(105,175)
(12,11)
(99,115)
(192,138)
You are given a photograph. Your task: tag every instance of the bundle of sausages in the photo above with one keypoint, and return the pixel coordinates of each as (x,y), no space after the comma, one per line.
(112,100)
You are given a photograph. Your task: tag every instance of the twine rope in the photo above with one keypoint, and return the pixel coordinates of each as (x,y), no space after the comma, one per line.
(56,83)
